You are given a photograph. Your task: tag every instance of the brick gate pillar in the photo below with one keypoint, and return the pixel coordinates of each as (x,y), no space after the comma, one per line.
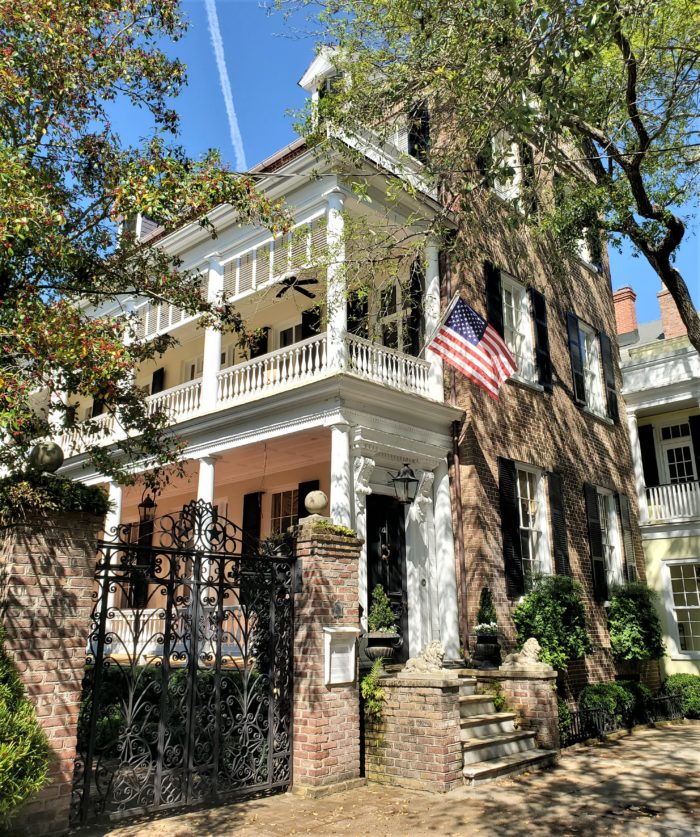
(47,567)
(326,743)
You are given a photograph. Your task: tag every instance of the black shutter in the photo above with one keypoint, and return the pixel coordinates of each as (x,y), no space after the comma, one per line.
(158,381)
(304,489)
(258,344)
(510,527)
(528,177)
(310,322)
(606,354)
(98,407)
(625,512)
(419,131)
(544,361)
(595,540)
(357,309)
(579,387)
(414,303)
(694,422)
(648,450)
(494,300)
(560,544)
(252,512)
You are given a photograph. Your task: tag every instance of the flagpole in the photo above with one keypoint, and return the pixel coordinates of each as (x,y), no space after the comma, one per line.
(440,322)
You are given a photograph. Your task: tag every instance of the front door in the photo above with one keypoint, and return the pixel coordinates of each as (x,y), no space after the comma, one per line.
(386,558)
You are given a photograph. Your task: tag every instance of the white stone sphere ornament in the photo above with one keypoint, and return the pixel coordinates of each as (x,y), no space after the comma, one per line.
(315,502)
(46,457)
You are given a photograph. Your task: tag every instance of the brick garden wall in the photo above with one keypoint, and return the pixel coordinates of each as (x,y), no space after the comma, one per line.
(46,581)
(417,743)
(546,430)
(326,718)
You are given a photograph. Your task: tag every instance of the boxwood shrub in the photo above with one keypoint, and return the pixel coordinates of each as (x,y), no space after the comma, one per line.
(626,701)
(633,624)
(685,687)
(24,750)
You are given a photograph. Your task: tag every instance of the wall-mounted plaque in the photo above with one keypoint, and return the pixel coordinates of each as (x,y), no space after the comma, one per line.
(340,650)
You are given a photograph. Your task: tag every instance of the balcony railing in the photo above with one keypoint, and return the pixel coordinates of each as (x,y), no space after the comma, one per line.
(387,366)
(678,501)
(272,373)
(278,370)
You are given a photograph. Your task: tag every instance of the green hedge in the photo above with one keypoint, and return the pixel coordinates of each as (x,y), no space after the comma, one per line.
(626,701)
(24,750)
(553,613)
(633,624)
(22,494)
(685,687)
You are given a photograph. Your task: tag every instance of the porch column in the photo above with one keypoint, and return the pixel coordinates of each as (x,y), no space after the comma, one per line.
(337,285)
(211,361)
(445,550)
(638,469)
(432,315)
(363,468)
(341,503)
(205,483)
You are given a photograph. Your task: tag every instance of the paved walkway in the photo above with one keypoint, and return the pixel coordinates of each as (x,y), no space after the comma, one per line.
(644,784)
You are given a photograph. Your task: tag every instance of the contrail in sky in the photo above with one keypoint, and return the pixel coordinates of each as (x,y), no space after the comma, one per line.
(218,44)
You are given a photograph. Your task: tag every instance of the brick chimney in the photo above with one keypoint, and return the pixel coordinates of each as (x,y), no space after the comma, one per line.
(625,310)
(670,318)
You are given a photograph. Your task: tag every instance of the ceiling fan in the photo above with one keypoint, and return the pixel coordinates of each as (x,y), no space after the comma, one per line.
(297,284)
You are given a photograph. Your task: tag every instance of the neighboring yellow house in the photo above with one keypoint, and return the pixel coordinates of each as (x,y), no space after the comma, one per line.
(661,375)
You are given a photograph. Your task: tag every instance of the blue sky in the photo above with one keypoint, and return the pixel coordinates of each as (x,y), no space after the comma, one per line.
(265,58)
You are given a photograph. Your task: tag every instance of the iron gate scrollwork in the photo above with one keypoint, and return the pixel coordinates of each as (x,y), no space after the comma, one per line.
(188,686)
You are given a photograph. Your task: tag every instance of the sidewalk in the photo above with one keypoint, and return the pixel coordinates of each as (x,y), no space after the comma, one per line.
(646,784)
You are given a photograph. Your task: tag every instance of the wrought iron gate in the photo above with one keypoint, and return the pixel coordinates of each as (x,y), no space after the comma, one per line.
(188,686)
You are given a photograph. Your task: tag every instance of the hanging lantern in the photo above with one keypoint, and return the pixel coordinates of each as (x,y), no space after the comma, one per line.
(405,484)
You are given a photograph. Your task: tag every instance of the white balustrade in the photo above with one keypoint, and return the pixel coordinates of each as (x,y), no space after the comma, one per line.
(94,430)
(672,502)
(176,402)
(278,370)
(387,366)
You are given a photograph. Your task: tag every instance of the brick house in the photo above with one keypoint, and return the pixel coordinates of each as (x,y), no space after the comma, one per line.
(334,397)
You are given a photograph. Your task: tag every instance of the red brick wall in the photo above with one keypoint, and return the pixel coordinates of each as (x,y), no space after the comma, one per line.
(48,566)
(546,430)
(671,321)
(326,718)
(416,744)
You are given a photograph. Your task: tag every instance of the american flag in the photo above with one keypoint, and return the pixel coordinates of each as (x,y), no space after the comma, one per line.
(466,341)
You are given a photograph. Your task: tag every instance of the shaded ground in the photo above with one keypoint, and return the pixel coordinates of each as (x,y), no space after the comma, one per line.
(646,784)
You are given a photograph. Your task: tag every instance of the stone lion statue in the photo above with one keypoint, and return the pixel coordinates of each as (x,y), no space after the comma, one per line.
(526,658)
(430,659)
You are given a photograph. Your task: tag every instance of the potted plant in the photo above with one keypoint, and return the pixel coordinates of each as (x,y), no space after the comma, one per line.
(488,650)
(383,638)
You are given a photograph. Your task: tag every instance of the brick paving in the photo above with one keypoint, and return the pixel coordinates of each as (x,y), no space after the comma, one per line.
(647,784)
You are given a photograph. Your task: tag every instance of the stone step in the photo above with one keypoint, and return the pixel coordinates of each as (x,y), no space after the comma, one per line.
(483,771)
(486,726)
(498,747)
(467,685)
(470,705)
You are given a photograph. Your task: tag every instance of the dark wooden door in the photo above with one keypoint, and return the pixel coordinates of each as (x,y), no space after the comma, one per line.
(386,558)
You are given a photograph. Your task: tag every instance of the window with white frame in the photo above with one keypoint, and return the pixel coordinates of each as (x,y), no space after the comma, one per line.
(534,541)
(677,454)
(610,536)
(517,326)
(192,369)
(592,371)
(685,596)
(289,336)
(284,510)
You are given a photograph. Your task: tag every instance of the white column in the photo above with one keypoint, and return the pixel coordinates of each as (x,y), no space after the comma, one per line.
(363,468)
(114,516)
(336,294)
(205,482)
(446,575)
(211,362)
(112,520)
(432,315)
(341,484)
(638,468)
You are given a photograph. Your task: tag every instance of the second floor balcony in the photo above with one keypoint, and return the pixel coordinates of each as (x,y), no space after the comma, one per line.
(673,502)
(274,373)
